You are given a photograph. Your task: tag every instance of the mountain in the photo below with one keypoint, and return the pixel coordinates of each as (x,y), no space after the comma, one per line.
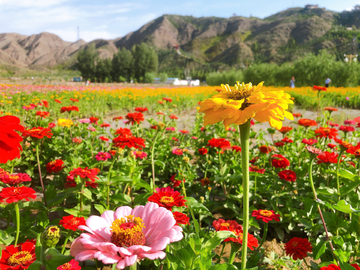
(205,41)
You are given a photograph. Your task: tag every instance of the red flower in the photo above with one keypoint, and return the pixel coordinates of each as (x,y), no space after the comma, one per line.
(297,115)
(45,103)
(117,118)
(184,131)
(236,148)
(219,143)
(298,248)
(175,182)
(330,109)
(222,225)
(343,144)
(279,161)
(140,109)
(256,169)
(347,129)
(205,181)
(332,124)
(325,132)
(74,100)
(309,141)
(129,141)
(14,179)
(18,257)
(105,125)
(124,132)
(112,152)
(287,140)
(42,114)
(327,157)
(330,267)
(154,127)
(203,151)
(55,166)
(9,139)
(279,144)
(265,149)
(94,120)
(57,101)
(103,138)
(71,265)
(285,130)
(77,140)
(69,109)
(265,215)
(37,132)
(306,122)
(319,88)
(51,125)
(136,117)
(85,173)
(167,199)
(173,116)
(71,222)
(15,194)
(160,113)
(167,99)
(287,175)
(175,139)
(252,241)
(181,218)
(354,150)
(253,160)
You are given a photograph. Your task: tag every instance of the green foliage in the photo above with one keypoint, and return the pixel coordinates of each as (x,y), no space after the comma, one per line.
(87,60)
(103,69)
(163,77)
(230,77)
(145,60)
(149,77)
(122,65)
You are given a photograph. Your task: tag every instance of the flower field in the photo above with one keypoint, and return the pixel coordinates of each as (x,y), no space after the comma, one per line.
(83,190)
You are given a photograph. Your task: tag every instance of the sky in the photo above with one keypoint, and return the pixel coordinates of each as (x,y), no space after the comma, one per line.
(109,19)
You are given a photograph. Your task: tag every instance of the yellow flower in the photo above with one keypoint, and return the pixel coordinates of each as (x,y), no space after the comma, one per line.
(245,101)
(65,122)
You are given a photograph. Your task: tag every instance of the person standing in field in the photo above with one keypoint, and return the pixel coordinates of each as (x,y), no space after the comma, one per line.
(327,82)
(292,82)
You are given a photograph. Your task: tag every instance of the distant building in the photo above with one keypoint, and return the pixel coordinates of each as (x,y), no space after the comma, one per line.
(176,81)
(311,6)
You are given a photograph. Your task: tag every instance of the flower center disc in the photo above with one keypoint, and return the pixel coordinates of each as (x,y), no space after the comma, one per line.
(20,258)
(266,213)
(225,224)
(166,200)
(127,231)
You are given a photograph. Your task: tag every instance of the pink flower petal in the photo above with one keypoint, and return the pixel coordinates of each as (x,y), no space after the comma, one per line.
(153,256)
(127,261)
(122,212)
(100,227)
(109,216)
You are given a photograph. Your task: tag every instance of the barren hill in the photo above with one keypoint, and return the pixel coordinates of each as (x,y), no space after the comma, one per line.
(210,40)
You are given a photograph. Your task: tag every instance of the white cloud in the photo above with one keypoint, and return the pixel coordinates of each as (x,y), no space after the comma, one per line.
(32,3)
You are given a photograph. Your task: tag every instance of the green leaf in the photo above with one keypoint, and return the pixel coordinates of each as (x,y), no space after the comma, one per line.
(347,174)
(121,198)
(320,248)
(120,179)
(348,187)
(100,208)
(53,258)
(224,266)
(5,238)
(345,266)
(160,163)
(212,243)
(280,233)
(194,204)
(185,257)
(35,266)
(345,207)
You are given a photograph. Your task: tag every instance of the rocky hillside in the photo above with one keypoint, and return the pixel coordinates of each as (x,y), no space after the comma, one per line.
(209,40)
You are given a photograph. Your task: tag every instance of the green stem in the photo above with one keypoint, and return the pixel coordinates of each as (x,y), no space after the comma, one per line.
(152,161)
(17,212)
(65,242)
(318,206)
(266,226)
(337,174)
(233,252)
(82,196)
(131,267)
(108,184)
(244,137)
(221,253)
(255,187)
(41,180)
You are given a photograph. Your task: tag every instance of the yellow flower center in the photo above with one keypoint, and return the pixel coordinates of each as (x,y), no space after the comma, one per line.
(127,231)
(166,200)
(266,213)
(66,266)
(225,224)
(20,258)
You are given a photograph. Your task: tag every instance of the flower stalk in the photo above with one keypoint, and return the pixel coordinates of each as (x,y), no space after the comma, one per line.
(17,212)
(244,130)
(41,180)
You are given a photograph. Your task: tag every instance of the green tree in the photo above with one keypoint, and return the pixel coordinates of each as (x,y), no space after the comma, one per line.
(86,62)
(163,77)
(103,69)
(122,65)
(145,60)
(149,77)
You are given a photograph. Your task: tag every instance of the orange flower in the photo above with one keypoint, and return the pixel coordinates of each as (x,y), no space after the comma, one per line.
(325,132)
(306,122)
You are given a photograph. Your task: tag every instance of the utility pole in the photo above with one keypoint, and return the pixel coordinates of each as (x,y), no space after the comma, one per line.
(78,36)
(350,57)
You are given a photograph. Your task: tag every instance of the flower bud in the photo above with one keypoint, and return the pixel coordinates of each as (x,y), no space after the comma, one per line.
(50,236)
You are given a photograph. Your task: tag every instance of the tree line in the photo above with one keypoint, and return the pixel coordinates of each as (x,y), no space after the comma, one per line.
(308,71)
(139,64)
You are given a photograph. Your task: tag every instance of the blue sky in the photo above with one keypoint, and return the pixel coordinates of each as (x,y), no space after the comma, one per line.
(111,19)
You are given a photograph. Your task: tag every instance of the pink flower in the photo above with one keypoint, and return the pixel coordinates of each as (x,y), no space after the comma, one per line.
(91,128)
(103,156)
(127,235)
(184,131)
(177,151)
(140,154)
(349,122)
(170,128)
(51,125)
(84,121)
(347,98)
(194,138)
